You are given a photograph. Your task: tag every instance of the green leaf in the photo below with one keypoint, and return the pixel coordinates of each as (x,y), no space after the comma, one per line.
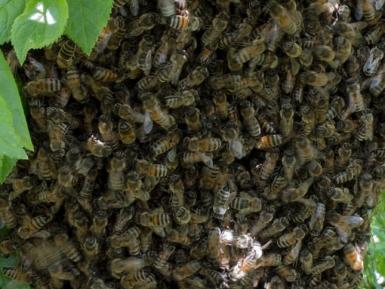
(9,141)
(8,262)
(10,94)
(42,23)
(13,284)
(86,20)
(6,166)
(9,10)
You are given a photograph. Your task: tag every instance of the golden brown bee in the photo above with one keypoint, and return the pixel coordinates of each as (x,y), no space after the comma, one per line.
(119,29)
(32,225)
(249,52)
(220,204)
(144,22)
(146,168)
(246,204)
(287,273)
(212,35)
(207,144)
(373,62)
(283,18)
(66,54)
(186,98)
(286,119)
(193,119)
(327,263)
(270,141)
(353,257)
(248,114)
(167,7)
(6,215)
(43,86)
(97,147)
(116,173)
(293,253)
(157,114)
(317,219)
(275,228)
(120,266)
(289,239)
(292,49)
(126,132)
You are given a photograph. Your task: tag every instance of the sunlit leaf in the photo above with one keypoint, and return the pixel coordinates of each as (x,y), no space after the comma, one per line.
(6,166)
(86,20)
(8,262)
(9,10)
(42,23)
(10,95)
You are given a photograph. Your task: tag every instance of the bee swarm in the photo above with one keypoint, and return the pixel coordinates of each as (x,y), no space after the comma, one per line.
(203,144)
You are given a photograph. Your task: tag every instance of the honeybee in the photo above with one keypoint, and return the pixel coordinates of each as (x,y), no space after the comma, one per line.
(292,49)
(317,219)
(44,86)
(306,260)
(97,147)
(163,51)
(327,263)
(220,204)
(6,214)
(353,257)
(167,7)
(129,265)
(43,166)
(99,223)
(212,35)
(186,98)
(103,74)
(251,122)
(283,18)
(119,29)
(157,114)
(373,62)
(207,144)
(146,168)
(374,34)
(270,141)
(249,52)
(278,225)
(365,10)
(186,270)
(293,253)
(344,224)
(195,78)
(145,22)
(289,239)
(286,119)
(287,273)
(126,132)
(116,173)
(66,54)
(365,129)
(246,204)
(316,79)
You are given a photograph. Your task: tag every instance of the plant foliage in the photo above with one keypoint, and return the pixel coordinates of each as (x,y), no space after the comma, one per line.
(32,24)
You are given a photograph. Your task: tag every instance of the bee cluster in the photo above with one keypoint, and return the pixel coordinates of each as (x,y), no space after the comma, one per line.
(224,144)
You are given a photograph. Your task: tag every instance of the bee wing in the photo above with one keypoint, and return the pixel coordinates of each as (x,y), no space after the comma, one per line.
(378,4)
(237,148)
(147,123)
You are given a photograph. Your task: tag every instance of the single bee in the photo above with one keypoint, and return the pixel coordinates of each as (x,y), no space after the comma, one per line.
(292,49)
(157,114)
(286,119)
(316,79)
(249,52)
(365,129)
(278,225)
(126,132)
(195,78)
(283,18)
(167,7)
(317,219)
(163,52)
(220,204)
(246,204)
(129,265)
(183,271)
(248,114)
(104,74)
(213,34)
(270,141)
(32,225)
(374,34)
(7,217)
(207,144)
(66,54)
(344,224)
(327,263)
(186,98)
(353,257)
(44,86)
(119,30)
(166,143)
(289,239)
(146,168)
(293,253)
(287,273)
(97,147)
(193,119)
